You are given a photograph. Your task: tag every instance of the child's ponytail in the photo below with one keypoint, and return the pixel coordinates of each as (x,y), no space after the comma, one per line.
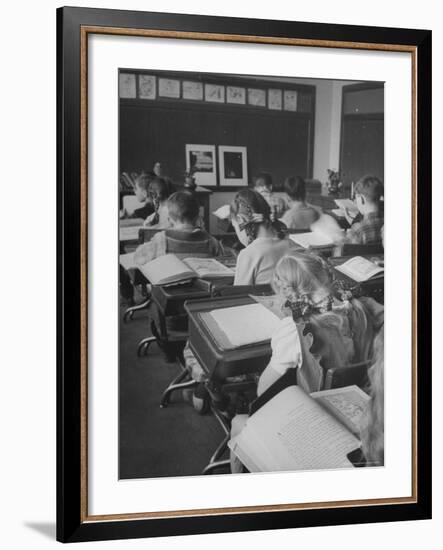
(250,210)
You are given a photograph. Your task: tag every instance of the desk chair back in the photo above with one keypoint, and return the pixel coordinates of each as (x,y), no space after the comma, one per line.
(243,290)
(361,249)
(347,376)
(197,244)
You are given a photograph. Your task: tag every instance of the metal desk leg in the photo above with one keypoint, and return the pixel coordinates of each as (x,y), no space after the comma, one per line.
(176,384)
(143,345)
(215,462)
(129,313)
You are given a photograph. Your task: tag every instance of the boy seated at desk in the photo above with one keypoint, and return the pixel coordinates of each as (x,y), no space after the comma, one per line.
(263,185)
(368,193)
(300,215)
(184,238)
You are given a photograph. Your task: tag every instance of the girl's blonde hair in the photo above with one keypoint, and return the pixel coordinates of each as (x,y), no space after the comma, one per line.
(372,426)
(301,274)
(305,276)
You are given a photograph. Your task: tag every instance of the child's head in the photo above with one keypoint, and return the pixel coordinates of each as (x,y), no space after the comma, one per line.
(249,211)
(295,188)
(368,192)
(183,208)
(157,169)
(158,191)
(302,276)
(141,188)
(323,335)
(263,182)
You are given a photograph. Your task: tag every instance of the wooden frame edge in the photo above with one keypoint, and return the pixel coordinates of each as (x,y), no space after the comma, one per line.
(85,30)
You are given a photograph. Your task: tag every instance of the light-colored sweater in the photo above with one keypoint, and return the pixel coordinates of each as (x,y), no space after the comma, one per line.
(256,262)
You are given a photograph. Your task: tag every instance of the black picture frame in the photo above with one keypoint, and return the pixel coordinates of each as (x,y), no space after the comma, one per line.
(72,523)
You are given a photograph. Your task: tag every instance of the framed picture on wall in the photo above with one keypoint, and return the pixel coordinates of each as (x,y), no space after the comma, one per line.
(233,165)
(307,468)
(201,163)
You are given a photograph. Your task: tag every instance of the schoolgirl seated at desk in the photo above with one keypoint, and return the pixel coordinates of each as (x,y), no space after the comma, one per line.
(264,238)
(325,327)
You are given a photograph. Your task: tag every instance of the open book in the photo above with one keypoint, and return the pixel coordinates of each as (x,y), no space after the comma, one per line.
(311,239)
(223,213)
(360,269)
(347,204)
(297,431)
(169,269)
(324,232)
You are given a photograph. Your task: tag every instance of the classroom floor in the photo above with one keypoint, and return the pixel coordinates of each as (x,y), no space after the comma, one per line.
(155,442)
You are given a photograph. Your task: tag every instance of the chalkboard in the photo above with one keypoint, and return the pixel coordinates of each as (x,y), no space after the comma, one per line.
(277,142)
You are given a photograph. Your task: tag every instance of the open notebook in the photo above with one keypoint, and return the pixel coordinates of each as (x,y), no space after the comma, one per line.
(312,239)
(360,269)
(169,269)
(297,431)
(347,204)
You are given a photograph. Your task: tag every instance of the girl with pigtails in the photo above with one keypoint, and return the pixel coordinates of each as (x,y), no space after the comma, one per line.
(264,237)
(324,326)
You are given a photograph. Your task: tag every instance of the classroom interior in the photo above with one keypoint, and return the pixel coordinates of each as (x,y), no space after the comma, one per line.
(283,126)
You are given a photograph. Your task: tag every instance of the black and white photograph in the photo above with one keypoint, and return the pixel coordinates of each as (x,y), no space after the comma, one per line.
(251,274)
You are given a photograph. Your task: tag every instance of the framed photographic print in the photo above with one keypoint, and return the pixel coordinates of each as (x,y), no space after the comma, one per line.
(201,163)
(168,372)
(233,165)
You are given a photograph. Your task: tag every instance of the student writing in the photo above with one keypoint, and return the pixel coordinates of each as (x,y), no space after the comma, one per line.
(368,193)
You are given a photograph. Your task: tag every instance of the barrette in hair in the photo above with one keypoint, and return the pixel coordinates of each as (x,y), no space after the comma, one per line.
(303,307)
(346,291)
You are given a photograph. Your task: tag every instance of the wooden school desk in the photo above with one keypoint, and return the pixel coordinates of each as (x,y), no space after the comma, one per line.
(129,234)
(170,300)
(219,363)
